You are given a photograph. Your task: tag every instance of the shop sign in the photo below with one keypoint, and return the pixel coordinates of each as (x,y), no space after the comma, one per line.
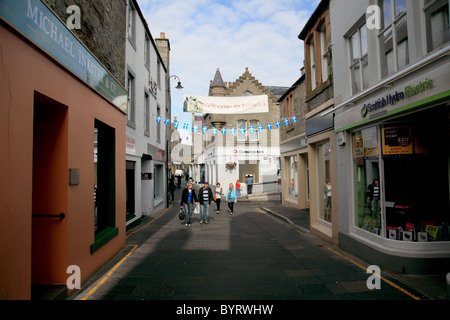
(36,21)
(397,140)
(425,85)
(391,99)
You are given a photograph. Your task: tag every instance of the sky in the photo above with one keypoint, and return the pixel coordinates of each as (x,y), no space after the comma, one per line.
(230,35)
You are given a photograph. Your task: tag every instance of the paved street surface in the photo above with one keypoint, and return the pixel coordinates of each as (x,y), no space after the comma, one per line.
(250,255)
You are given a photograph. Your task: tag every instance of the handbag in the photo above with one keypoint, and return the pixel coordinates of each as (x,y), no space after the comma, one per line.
(181,214)
(197,209)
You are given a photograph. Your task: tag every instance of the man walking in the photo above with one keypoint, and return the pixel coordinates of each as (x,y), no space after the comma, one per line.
(205,197)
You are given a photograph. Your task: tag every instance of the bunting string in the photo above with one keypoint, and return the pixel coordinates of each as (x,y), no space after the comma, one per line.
(241,130)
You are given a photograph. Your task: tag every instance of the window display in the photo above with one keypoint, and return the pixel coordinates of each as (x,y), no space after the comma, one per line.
(408,200)
(324,181)
(292,176)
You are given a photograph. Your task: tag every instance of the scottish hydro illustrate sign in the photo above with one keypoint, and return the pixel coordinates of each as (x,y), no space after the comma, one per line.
(37,22)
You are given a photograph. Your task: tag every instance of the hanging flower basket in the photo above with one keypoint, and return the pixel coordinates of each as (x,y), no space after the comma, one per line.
(230,165)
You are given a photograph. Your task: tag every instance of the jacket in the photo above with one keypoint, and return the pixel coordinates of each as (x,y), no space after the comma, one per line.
(232,195)
(200,195)
(185,197)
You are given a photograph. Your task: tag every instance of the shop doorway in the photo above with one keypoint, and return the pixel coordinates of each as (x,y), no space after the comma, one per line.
(49,193)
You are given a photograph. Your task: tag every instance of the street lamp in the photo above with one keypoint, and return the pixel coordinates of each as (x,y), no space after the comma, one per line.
(179,86)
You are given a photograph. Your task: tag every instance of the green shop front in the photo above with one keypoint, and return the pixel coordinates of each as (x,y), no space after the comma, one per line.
(393,146)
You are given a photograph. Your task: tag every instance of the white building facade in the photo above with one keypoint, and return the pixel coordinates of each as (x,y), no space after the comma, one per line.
(392,124)
(146,80)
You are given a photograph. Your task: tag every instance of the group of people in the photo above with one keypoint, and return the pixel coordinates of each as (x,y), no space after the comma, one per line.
(206,196)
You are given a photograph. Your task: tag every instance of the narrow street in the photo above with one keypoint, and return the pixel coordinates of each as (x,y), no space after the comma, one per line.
(250,255)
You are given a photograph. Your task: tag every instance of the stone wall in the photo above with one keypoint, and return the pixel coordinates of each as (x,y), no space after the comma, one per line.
(103,30)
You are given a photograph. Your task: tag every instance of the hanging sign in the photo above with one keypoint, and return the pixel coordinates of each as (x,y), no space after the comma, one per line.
(226,105)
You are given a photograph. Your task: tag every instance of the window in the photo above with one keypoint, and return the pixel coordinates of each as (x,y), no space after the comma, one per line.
(247,93)
(158,125)
(147,52)
(359,60)
(130,89)
(146,114)
(312,64)
(437,23)
(324,53)
(392,198)
(241,130)
(394,36)
(324,181)
(158,75)
(289,106)
(253,130)
(104,184)
(131,22)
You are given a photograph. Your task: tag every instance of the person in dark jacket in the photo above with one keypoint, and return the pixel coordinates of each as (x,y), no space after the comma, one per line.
(205,197)
(188,199)
(373,196)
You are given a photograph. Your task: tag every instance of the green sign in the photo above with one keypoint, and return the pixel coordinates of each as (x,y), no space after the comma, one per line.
(38,23)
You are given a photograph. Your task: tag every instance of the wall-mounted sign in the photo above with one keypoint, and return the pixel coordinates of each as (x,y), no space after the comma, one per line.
(425,85)
(36,21)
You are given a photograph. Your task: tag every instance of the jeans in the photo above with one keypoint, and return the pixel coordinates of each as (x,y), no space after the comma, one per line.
(188,209)
(375,207)
(204,211)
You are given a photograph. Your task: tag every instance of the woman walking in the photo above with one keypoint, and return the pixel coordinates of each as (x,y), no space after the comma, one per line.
(188,198)
(231,197)
(218,196)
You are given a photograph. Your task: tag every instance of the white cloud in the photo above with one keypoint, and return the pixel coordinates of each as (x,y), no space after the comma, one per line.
(231,35)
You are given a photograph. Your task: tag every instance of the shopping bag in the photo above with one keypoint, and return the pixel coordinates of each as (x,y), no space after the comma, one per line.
(197,209)
(181,214)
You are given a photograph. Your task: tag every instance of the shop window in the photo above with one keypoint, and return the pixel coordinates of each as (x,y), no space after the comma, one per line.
(437,23)
(104,184)
(324,181)
(292,176)
(413,191)
(394,36)
(367,185)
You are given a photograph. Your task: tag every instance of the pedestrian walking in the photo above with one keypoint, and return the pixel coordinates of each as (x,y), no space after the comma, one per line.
(188,198)
(373,196)
(249,182)
(231,198)
(205,197)
(218,196)
(238,189)
(172,187)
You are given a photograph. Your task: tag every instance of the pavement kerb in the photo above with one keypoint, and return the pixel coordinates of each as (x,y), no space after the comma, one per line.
(286,219)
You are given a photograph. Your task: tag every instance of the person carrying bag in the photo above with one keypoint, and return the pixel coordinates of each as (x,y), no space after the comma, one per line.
(188,198)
